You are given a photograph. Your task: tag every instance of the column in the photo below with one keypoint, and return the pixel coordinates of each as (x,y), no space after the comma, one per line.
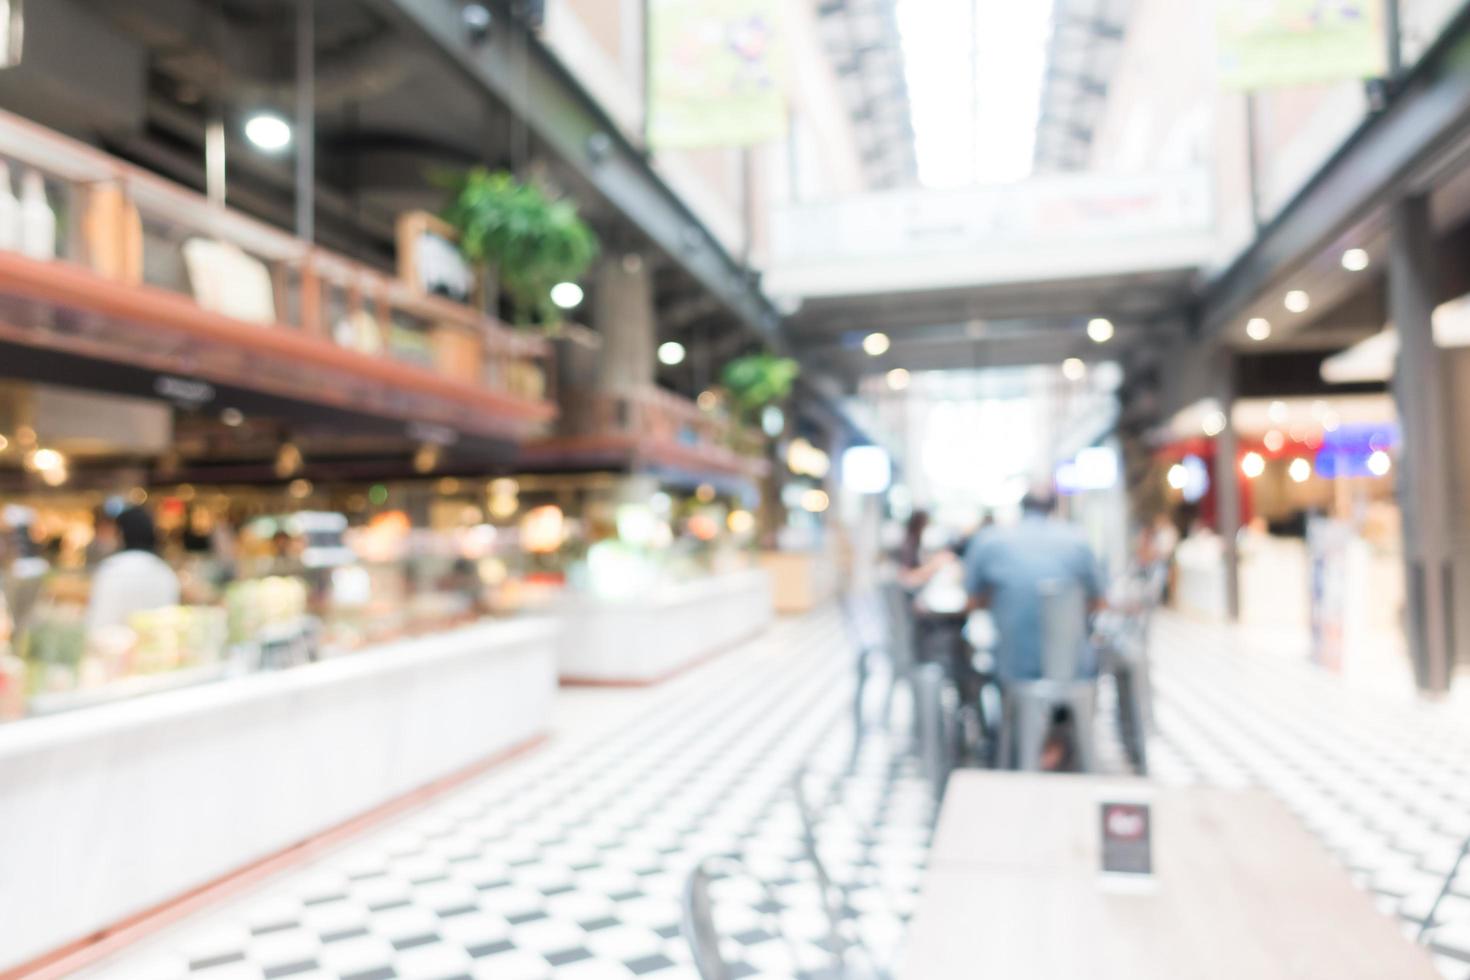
(1424,472)
(623,314)
(1227,482)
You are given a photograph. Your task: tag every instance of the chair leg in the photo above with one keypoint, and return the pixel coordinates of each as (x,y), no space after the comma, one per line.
(1033,724)
(1084,732)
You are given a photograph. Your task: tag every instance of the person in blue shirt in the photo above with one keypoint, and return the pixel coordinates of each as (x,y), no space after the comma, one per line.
(1006,569)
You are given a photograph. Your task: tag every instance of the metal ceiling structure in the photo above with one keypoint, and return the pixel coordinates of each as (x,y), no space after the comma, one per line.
(862,40)
(1085,45)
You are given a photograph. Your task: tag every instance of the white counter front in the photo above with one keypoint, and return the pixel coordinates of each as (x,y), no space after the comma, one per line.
(108,811)
(644,640)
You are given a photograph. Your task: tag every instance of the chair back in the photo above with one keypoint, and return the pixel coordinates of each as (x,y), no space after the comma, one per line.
(698,924)
(1064,632)
(898,617)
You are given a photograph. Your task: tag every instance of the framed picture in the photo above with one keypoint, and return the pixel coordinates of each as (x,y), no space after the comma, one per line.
(429,260)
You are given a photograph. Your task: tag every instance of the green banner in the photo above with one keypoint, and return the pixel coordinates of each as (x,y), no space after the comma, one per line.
(1279,43)
(716,73)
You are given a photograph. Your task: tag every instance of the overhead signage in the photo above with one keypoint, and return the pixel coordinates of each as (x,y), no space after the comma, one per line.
(716,73)
(1280,43)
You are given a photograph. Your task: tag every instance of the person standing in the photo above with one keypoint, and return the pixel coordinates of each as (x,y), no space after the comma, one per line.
(132,579)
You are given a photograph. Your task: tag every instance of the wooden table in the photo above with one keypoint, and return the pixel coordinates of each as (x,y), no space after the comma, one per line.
(1241,891)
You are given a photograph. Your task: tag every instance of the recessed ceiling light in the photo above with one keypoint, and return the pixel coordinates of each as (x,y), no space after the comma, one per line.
(876,344)
(1297,301)
(1073,369)
(268,132)
(1100,329)
(671,353)
(1355,260)
(1258,328)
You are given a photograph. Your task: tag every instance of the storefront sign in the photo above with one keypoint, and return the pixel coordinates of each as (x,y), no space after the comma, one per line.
(1278,43)
(716,73)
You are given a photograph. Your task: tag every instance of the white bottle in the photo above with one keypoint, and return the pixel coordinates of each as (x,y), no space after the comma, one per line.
(9,212)
(37,220)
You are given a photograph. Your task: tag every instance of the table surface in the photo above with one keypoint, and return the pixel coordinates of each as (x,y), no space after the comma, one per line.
(1241,891)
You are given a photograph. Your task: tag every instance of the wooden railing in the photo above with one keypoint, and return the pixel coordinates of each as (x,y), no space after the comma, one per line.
(120,256)
(657,426)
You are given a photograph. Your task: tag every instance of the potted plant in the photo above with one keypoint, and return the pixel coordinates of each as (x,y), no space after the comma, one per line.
(757,380)
(511,230)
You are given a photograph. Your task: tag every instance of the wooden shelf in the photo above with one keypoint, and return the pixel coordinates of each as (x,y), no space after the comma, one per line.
(55,305)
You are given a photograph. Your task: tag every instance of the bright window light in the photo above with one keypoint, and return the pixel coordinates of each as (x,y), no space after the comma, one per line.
(866,469)
(671,353)
(268,131)
(1001,57)
(567,295)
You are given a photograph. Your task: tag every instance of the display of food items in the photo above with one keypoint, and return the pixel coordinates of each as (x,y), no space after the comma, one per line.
(177,636)
(254,605)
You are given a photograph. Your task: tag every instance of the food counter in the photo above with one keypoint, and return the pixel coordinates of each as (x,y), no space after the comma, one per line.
(801,580)
(645,639)
(162,794)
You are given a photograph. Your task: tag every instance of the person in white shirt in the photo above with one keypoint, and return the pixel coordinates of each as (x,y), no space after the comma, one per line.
(133,579)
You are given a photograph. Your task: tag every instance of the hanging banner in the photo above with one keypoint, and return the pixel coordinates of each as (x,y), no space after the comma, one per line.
(1279,43)
(716,73)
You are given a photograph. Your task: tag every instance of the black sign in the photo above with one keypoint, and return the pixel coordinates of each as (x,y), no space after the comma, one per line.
(1127,839)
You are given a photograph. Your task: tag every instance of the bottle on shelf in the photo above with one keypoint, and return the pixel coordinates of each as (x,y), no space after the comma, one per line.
(9,212)
(37,220)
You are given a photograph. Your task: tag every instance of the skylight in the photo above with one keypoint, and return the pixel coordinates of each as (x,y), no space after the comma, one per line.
(962,140)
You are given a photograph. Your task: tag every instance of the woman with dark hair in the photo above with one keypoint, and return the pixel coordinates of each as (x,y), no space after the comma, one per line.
(132,579)
(914,570)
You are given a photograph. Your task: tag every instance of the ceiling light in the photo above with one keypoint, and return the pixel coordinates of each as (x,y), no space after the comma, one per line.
(1178,476)
(1300,470)
(42,460)
(898,379)
(268,132)
(1100,330)
(567,295)
(815,501)
(1297,301)
(288,460)
(1355,260)
(1253,464)
(1379,463)
(1258,328)
(1073,369)
(1278,412)
(1274,441)
(232,417)
(671,353)
(876,344)
(299,489)
(1214,424)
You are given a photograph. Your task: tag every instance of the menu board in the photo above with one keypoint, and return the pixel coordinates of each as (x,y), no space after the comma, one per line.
(1127,839)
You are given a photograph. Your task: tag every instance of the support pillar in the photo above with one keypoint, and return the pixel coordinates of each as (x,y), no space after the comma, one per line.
(1227,483)
(623,313)
(1424,472)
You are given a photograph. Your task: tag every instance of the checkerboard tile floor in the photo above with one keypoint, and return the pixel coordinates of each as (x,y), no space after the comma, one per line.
(1380,776)
(569,862)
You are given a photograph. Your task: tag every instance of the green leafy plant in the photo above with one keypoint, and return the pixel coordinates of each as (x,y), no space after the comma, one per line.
(530,241)
(757,380)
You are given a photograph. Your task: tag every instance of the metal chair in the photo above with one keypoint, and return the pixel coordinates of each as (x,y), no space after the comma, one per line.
(1444,891)
(1066,682)
(697,920)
